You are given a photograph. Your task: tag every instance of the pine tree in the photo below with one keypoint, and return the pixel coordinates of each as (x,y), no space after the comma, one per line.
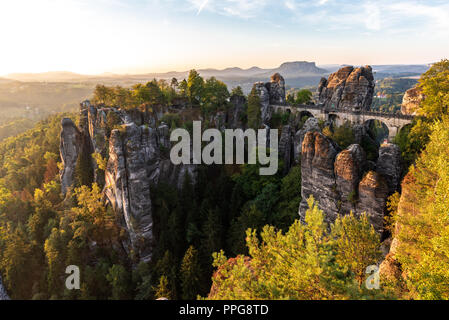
(162,290)
(254,113)
(190,273)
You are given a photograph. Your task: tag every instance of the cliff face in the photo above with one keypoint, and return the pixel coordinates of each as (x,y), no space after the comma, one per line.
(347,89)
(3,294)
(70,144)
(341,180)
(137,156)
(411,101)
(317,173)
(270,93)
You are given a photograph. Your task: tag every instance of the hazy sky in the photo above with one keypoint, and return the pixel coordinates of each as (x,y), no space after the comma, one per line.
(133,36)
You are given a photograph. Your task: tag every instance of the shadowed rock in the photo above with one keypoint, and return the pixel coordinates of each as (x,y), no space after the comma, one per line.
(3,294)
(70,145)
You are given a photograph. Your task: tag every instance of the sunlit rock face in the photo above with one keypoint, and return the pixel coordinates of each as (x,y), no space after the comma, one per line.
(3,294)
(348,167)
(373,194)
(311,124)
(412,101)
(344,181)
(349,89)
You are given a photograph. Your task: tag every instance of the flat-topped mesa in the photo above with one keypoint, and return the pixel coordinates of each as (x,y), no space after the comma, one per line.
(349,89)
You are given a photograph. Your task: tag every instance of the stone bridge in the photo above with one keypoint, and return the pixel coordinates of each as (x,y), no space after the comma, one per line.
(394,122)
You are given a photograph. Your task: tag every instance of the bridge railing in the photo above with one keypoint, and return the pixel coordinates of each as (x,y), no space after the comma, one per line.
(365,113)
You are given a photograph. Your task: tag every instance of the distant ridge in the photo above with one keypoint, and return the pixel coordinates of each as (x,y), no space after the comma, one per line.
(297,74)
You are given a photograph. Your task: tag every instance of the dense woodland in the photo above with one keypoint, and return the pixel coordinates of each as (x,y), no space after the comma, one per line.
(236,213)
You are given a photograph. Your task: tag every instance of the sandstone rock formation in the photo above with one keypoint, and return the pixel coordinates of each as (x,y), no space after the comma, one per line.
(270,93)
(317,172)
(349,166)
(373,193)
(70,145)
(3,294)
(276,89)
(286,147)
(236,112)
(348,89)
(389,165)
(412,100)
(128,183)
(344,181)
(137,156)
(311,124)
(264,96)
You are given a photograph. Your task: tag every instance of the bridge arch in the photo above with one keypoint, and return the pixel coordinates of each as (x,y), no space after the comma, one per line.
(305,113)
(393,122)
(379,128)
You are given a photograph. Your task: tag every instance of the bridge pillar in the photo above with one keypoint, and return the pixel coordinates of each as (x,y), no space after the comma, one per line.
(392,132)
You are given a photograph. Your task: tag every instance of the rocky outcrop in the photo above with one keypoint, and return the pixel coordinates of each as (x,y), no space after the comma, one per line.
(138,160)
(389,165)
(349,89)
(270,93)
(266,111)
(237,112)
(137,154)
(286,147)
(373,194)
(311,124)
(349,166)
(3,294)
(128,183)
(70,146)
(412,101)
(317,172)
(276,89)
(344,181)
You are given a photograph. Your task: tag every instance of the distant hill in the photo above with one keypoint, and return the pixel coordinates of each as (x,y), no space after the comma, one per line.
(297,74)
(54,76)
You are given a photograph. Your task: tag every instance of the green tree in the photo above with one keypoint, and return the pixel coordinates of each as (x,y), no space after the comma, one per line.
(214,96)
(237,91)
(162,290)
(301,264)
(422,230)
(190,272)
(357,244)
(254,112)
(119,280)
(435,86)
(195,87)
(304,96)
